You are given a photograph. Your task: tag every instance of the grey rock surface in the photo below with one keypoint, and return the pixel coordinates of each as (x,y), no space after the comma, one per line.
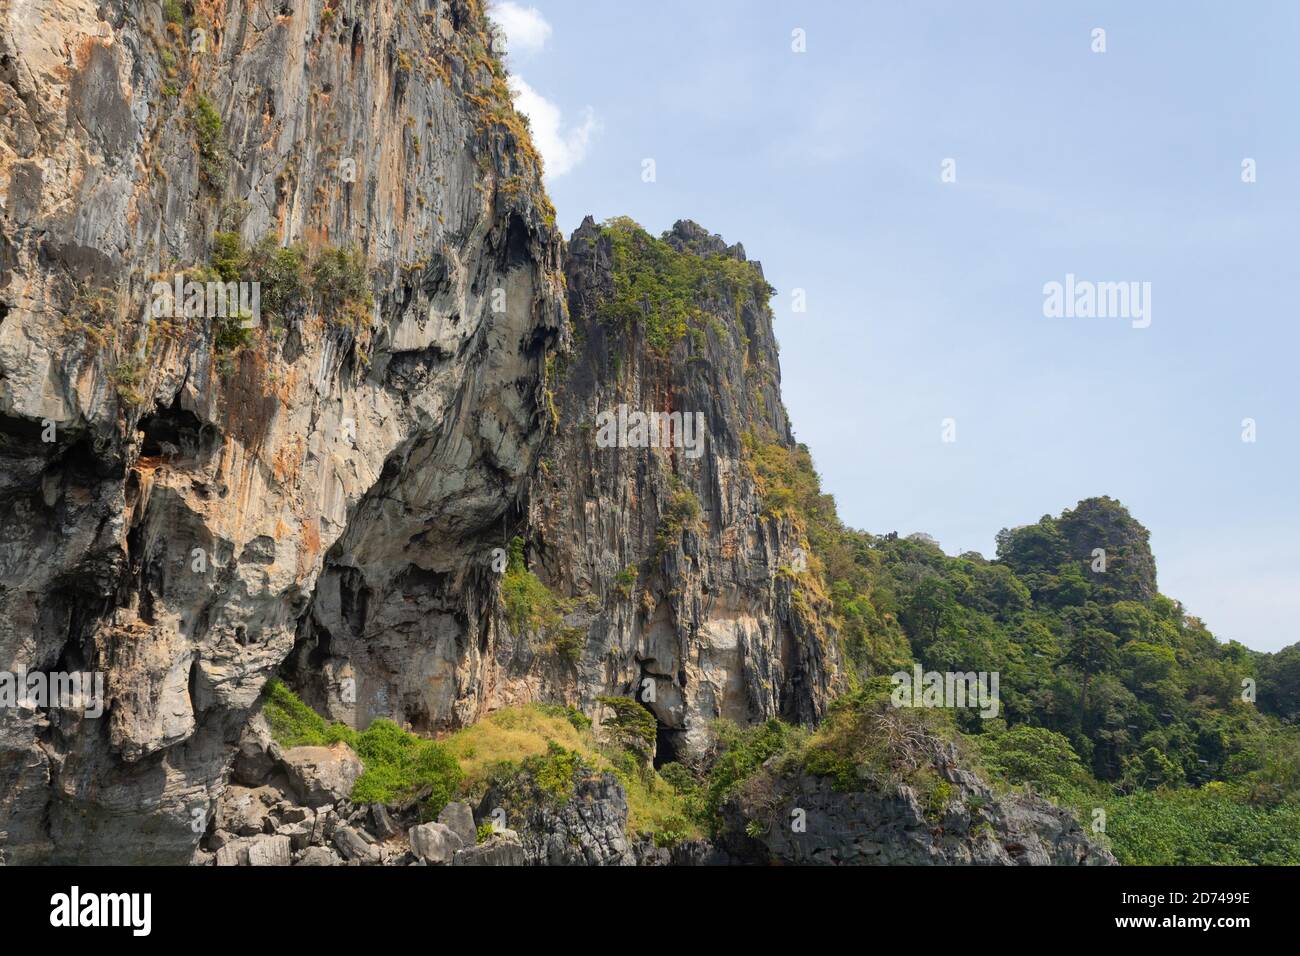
(435,842)
(322,776)
(588,828)
(270,851)
(460,818)
(318,856)
(895,826)
(353,846)
(502,848)
(196,515)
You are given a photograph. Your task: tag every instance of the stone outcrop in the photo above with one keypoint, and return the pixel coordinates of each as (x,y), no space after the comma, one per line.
(709,613)
(705,610)
(585,828)
(322,775)
(502,848)
(434,842)
(1105,524)
(897,826)
(172,518)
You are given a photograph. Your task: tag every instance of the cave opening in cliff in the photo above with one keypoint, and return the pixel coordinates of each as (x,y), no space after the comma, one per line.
(666,744)
(170,432)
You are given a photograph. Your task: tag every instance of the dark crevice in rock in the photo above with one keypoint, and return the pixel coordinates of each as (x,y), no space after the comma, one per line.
(171,432)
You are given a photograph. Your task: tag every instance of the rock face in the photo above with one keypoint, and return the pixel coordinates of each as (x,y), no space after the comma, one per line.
(703,607)
(459,818)
(585,828)
(174,520)
(322,775)
(435,842)
(842,827)
(500,849)
(703,610)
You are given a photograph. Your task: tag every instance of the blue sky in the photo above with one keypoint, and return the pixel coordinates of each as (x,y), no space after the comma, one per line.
(925,298)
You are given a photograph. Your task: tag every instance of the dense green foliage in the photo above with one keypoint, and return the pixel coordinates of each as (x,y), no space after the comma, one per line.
(398,765)
(1215,824)
(666,290)
(334,282)
(211,144)
(1108,688)
(530,605)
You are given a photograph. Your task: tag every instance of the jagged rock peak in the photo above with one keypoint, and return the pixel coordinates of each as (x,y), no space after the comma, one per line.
(686,235)
(689,236)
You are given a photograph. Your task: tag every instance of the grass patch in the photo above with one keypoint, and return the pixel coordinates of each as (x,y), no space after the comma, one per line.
(530,605)
(399,765)
(549,742)
(538,738)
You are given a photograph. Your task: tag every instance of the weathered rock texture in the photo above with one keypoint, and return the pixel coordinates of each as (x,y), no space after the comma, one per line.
(709,618)
(172,534)
(586,827)
(708,615)
(971,825)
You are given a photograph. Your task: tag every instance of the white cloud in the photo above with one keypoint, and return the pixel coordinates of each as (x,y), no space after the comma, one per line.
(561,148)
(525,28)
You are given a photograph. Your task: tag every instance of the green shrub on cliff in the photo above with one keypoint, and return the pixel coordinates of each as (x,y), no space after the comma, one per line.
(529,604)
(294,724)
(211,144)
(630,726)
(398,764)
(663,289)
(681,511)
(334,282)
(341,287)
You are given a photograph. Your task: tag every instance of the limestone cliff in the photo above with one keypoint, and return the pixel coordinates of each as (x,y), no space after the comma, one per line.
(679,588)
(711,607)
(167,503)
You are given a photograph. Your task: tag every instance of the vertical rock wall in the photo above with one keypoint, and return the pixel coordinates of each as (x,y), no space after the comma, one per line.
(172,533)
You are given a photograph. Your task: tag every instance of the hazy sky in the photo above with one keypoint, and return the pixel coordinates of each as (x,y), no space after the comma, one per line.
(925,299)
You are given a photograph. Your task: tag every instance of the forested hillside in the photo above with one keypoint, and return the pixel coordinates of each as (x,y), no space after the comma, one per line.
(1114,698)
